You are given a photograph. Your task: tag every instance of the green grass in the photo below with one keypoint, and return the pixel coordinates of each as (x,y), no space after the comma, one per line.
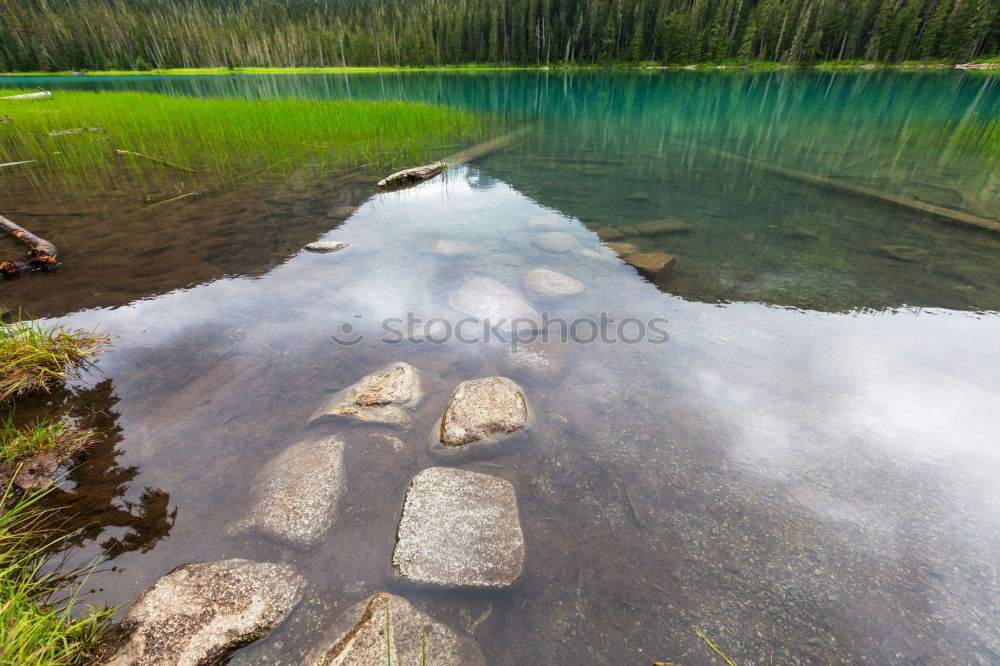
(220,137)
(41,436)
(33,356)
(42,621)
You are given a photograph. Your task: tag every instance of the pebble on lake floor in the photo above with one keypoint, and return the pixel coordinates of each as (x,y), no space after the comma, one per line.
(200,613)
(459,528)
(385,396)
(326,246)
(387,628)
(455,248)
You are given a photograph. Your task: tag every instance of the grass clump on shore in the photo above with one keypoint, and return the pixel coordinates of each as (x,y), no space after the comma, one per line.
(42,620)
(76,134)
(42,436)
(33,356)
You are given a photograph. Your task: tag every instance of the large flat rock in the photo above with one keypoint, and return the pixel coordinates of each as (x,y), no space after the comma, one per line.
(489,300)
(388,629)
(483,408)
(296,495)
(459,528)
(385,396)
(200,613)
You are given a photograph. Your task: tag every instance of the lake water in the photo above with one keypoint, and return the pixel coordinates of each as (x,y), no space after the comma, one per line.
(805,471)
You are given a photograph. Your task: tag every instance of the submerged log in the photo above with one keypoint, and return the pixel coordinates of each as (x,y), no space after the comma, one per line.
(41,256)
(41,94)
(119,151)
(408,177)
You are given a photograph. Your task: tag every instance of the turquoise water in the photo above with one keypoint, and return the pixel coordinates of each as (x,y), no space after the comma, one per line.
(804,472)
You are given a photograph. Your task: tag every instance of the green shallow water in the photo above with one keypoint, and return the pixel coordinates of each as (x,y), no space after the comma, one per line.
(805,471)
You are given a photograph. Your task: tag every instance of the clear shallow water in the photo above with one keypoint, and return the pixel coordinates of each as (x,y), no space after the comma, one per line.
(805,471)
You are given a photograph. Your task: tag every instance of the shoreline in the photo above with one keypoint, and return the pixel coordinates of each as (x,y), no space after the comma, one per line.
(987,65)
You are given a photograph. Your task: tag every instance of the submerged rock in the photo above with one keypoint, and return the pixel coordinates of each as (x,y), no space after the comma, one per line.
(489,300)
(903,252)
(409,177)
(200,613)
(650,264)
(483,408)
(459,528)
(558,242)
(455,248)
(385,396)
(623,248)
(326,246)
(545,283)
(341,212)
(538,359)
(609,234)
(387,628)
(665,226)
(37,472)
(296,495)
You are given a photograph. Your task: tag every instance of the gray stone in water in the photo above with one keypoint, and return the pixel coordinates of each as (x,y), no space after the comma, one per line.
(538,359)
(459,528)
(200,613)
(489,300)
(455,248)
(665,226)
(609,234)
(408,177)
(483,408)
(385,396)
(903,252)
(545,283)
(387,628)
(296,495)
(558,242)
(326,246)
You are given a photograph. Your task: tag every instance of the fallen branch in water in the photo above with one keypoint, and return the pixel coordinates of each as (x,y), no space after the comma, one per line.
(408,177)
(119,151)
(41,94)
(41,256)
(10,164)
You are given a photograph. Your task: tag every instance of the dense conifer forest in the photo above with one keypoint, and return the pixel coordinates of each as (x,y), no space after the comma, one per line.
(59,35)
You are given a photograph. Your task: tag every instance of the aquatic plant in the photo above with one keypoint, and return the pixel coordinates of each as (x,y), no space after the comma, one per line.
(34,356)
(89,139)
(42,620)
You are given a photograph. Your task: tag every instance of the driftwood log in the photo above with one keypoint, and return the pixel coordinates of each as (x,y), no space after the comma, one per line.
(41,256)
(41,94)
(408,177)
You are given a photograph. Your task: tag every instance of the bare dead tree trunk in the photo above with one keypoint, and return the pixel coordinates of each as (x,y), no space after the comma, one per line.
(41,256)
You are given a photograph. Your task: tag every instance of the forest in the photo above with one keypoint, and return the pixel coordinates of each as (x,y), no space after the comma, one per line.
(79,35)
